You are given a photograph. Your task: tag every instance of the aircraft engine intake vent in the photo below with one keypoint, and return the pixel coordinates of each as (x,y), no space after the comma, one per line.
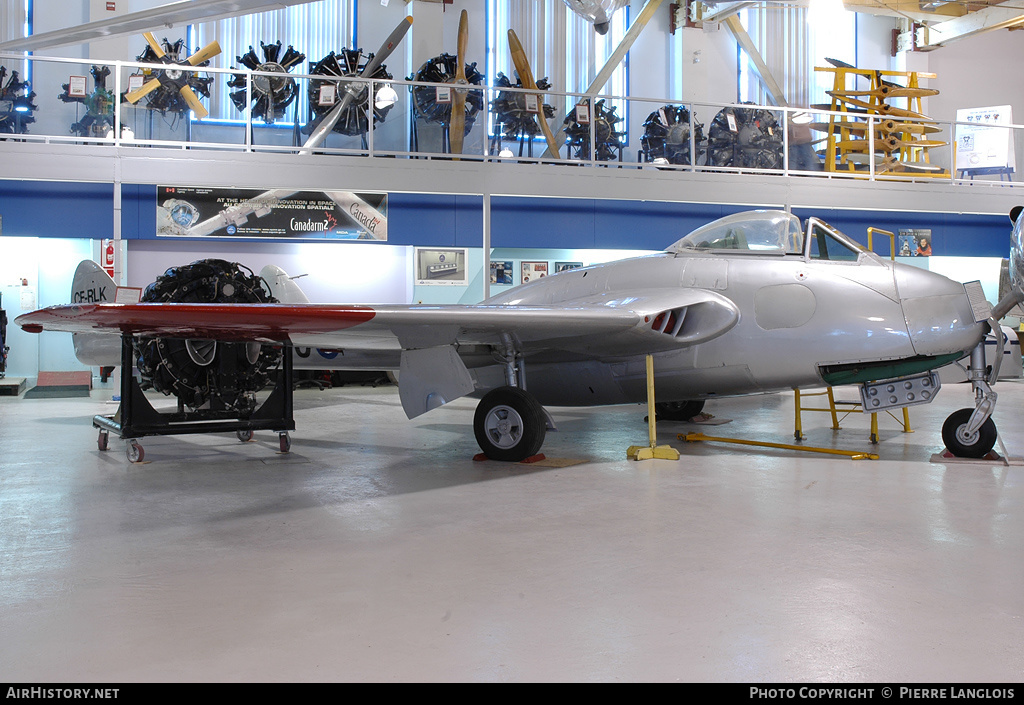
(670,322)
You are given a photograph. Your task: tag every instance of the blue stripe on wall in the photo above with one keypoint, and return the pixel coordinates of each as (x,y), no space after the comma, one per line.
(48,209)
(55,209)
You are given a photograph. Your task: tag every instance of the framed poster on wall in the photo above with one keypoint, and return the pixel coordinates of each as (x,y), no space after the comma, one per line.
(437,266)
(563,266)
(916,242)
(501,272)
(534,270)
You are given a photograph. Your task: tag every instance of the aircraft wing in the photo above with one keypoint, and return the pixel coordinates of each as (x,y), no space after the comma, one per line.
(626,322)
(598,326)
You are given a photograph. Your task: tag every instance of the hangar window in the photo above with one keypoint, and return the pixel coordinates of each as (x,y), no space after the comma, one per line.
(16,22)
(314,29)
(792,41)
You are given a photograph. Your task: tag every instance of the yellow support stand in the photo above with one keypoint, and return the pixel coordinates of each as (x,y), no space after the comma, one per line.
(835,408)
(653,450)
(852,454)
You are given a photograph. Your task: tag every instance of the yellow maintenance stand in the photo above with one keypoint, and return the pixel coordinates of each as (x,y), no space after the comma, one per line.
(653,450)
(848,407)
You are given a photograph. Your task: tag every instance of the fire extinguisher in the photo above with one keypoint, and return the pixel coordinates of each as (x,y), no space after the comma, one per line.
(108,257)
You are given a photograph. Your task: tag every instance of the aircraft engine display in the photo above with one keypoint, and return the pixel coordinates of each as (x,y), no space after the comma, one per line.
(745,137)
(667,135)
(609,141)
(173,89)
(199,372)
(99,106)
(270,94)
(429,103)
(16,106)
(512,111)
(326,92)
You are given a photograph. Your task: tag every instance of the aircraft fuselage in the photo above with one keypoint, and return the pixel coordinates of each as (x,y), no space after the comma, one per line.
(802,323)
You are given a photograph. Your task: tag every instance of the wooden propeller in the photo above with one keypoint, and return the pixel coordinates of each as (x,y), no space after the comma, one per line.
(526,77)
(457,123)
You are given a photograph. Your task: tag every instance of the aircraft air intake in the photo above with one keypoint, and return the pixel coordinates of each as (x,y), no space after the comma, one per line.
(670,322)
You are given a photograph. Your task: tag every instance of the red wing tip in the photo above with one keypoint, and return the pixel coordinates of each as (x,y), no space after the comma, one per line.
(32,328)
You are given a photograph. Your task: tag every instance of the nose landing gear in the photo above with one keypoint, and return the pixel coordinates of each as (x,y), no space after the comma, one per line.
(971,433)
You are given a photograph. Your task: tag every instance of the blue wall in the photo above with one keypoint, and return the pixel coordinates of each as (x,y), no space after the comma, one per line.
(48,209)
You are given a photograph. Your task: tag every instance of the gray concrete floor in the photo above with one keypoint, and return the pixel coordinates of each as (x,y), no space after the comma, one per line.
(378,550)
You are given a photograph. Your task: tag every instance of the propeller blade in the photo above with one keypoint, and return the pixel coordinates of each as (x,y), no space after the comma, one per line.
(839,64)
(888,91)
(153,44)
(139,93)
(331,119)
(924,144)
(387,47)
(919,128)
(886,145)
(460,67)
(884,109)
(457,122)
(839,125)
(207,52)
(522,65)
(193,102)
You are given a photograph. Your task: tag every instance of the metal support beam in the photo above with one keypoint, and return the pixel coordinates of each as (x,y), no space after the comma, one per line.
(613,62)
(1006,14)
(763,72)
(721,12)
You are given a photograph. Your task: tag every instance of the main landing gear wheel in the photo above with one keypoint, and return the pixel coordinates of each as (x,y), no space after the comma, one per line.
(509,424)
(962,446)
(678,410)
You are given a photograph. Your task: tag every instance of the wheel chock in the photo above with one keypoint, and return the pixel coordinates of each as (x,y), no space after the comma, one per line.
(852,454)
(652,452)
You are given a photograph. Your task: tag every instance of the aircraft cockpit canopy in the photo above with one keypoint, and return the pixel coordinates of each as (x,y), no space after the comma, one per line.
(828,243)
(757,232)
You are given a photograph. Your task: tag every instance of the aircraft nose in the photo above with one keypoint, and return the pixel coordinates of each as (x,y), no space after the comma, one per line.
(938,312)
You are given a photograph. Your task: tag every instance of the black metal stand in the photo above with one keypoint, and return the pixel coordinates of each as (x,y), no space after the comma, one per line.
(136,417)
(1000,171)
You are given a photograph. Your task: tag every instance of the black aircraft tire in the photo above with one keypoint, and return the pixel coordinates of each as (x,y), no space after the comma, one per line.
(979,446)
(509,424)
(678,410)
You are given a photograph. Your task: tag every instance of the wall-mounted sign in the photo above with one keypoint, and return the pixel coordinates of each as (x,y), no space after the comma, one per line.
(437,266)
(320,215)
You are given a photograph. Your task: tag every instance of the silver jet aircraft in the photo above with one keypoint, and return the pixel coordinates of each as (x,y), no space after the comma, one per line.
(754,302)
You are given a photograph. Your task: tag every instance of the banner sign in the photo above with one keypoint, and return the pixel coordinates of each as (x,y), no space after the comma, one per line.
(281,214)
